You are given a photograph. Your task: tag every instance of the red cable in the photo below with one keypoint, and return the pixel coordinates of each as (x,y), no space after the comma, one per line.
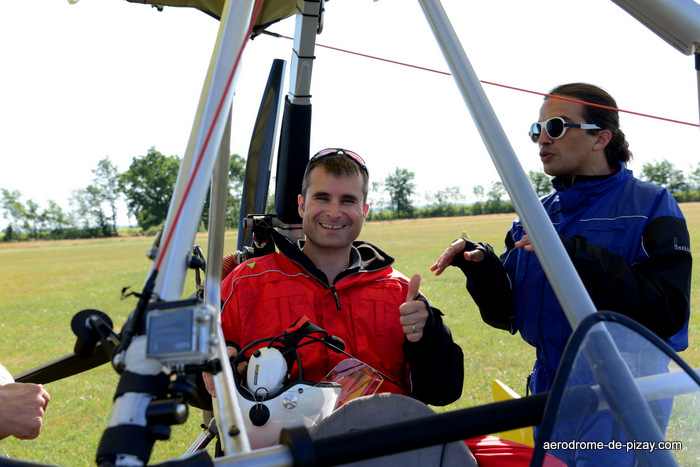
(256,11)
(166,243)
(491,83)
(594,105)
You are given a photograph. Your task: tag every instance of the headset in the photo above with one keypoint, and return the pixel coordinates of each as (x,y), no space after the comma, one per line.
(269,399)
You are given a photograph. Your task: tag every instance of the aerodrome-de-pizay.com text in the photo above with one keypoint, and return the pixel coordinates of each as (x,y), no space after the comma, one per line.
(650,446)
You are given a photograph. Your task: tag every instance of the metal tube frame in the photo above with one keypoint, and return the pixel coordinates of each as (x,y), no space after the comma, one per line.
(559,269)
(205,155)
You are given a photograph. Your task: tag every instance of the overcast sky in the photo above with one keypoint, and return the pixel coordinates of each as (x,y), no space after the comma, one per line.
(110,78)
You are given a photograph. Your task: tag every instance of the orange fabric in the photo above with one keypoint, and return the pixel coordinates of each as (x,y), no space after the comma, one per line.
(229,263)
(491,451)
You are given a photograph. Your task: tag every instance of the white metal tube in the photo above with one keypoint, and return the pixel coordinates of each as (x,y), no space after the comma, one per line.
(303,53)
(675,21)
(275,456)
(561,273)
(551,254)
(659,386)
(233,436)
(217,220)
(202,148)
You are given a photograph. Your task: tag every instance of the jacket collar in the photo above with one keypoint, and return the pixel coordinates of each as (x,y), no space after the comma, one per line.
(364,257)
(585,190)
(565,183)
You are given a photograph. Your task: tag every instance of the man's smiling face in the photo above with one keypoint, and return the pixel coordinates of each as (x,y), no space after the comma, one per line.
(333,210)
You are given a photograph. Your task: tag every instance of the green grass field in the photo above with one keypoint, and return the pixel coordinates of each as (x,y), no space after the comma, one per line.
(45,284)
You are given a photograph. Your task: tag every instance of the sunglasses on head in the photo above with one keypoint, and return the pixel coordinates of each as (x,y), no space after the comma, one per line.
(338,151)
(556,128)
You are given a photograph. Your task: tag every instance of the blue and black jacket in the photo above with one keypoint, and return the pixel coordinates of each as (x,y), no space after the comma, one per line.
(629,242)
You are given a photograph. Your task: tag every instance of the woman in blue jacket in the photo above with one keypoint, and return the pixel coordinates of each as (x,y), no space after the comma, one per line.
(627,239)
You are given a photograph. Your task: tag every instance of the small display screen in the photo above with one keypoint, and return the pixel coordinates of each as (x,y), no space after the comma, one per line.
(170,332)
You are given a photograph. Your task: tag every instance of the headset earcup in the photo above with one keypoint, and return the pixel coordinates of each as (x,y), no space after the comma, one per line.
(259,414)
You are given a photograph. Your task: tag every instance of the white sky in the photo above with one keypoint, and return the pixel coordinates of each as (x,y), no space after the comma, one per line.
(110,78)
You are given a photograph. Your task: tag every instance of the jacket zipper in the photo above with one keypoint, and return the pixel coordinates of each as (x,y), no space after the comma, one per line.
(335,296)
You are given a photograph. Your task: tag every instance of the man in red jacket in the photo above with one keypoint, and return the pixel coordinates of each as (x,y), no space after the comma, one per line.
(346,287)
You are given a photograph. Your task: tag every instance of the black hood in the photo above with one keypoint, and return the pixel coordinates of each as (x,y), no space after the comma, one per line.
(364,256)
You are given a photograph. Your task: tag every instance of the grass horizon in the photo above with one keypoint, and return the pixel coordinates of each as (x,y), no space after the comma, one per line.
(47,282)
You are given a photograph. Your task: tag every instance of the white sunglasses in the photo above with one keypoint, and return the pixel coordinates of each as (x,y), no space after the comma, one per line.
(556,128)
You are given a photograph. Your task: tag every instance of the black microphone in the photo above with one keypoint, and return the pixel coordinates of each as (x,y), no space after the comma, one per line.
(335,343)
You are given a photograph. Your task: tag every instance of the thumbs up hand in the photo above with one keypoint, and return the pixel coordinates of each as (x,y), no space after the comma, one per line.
(414,313)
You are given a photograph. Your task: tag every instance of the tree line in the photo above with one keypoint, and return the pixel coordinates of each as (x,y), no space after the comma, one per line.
(449,202)
(148,184)
(146,188)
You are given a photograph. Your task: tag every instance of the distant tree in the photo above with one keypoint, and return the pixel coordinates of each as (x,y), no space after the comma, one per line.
(694,178)
(401,187)
(494,203)
(56,219)
(87,203)
(444,201)
(478,207)
(270,207)
(236,178)
(448,197)
(107,181)
(148,185)
(377,199)
(9,233)
(665,174)
(540,182)
(32,219)
(14,210)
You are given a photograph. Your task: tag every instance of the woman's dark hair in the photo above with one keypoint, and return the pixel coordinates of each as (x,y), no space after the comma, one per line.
(607,117)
